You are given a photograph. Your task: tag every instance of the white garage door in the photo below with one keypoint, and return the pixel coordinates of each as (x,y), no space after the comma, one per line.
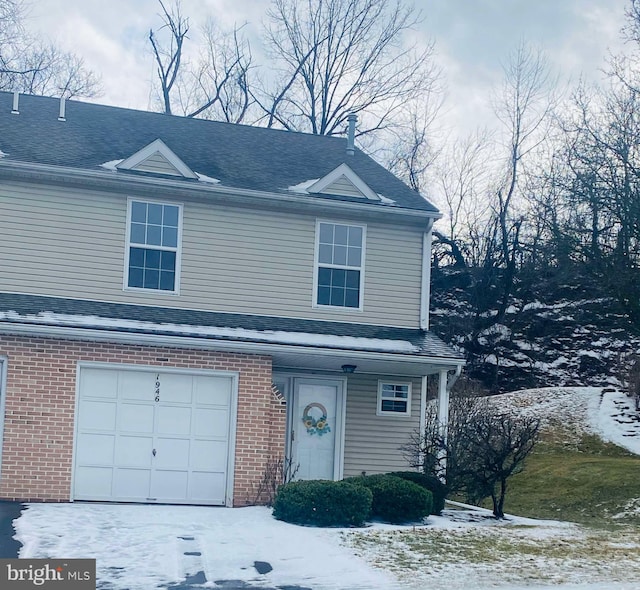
(153,436)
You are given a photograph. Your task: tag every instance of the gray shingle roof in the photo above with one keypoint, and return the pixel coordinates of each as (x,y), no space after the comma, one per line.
(48,311)
(239,156)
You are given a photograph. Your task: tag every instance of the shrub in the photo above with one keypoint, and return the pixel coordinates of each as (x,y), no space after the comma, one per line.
(428,482)
(323,503)
(396,500)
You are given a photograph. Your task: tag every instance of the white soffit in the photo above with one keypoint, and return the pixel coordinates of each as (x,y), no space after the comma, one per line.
(165,161)
(344,182)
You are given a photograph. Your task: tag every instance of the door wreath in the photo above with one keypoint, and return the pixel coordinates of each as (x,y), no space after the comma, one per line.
(313,425)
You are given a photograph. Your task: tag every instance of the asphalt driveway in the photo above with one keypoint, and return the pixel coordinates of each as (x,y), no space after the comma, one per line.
(9,511)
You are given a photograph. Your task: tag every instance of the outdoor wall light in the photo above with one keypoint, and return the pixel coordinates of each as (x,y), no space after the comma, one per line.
(348,368)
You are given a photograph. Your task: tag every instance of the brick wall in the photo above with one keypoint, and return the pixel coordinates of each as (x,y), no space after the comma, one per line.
(40,404)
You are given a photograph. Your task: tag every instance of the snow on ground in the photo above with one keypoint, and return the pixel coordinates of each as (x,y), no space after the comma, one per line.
(576,410)
(138,547)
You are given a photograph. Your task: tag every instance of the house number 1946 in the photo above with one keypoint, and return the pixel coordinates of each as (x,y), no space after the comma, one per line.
(157,398)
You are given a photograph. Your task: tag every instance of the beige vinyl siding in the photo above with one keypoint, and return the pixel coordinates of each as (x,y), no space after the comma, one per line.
(64,242)
(372,443)
(157,164)
(343,186)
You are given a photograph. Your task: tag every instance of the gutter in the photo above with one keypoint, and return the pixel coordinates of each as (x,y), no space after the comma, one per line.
(214,344)
(124,183)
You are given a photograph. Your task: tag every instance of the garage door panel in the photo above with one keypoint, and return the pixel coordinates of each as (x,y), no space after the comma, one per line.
(93,483)
(134,451)
(132,483)
(212,423)
(208,455)
(99,383)
(135,417)
(172,453)
(212,390)
(97,415)
(176,387)
(137,385)
(170,485)
(173,420)
(97,449)
(152,436)
(207,487)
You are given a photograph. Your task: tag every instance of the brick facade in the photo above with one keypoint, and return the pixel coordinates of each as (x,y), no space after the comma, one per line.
(37,452)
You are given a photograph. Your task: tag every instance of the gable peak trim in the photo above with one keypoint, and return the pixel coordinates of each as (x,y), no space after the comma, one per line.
(157,147)
(343,171)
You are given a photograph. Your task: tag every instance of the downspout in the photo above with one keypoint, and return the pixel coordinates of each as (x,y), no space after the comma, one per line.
(423,415)
(425,283)
(444,389)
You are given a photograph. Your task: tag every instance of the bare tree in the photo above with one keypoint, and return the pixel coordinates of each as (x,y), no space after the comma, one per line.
(483,448)
(36,66)
(341,57)
(168,55)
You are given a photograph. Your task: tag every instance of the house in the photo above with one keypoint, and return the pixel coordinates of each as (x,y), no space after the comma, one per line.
(183,301)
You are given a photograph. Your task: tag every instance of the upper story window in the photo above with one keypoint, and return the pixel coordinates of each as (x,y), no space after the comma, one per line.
(153,246)
(394,398)
(340,264)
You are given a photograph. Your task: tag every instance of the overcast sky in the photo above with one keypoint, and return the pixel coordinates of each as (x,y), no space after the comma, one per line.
(472,39)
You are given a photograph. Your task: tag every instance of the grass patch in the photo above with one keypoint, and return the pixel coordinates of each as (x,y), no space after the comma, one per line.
(588,481)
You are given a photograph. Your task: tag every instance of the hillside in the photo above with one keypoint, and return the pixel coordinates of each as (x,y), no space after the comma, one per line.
(552,333)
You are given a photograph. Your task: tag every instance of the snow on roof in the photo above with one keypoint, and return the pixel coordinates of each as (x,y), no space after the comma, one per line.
(303,186)
(111,165)
(205,178)
(2,154)
(242,334)
(386,200)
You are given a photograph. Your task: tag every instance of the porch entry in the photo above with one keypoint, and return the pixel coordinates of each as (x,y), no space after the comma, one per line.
(316,428)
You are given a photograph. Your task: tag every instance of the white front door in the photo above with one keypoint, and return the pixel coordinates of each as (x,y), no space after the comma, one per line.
(153,435)
(316,429)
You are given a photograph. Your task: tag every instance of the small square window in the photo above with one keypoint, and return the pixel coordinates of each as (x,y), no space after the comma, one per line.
(394,398)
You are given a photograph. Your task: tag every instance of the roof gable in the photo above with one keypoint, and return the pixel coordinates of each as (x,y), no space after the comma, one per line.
(344,182)
(157,158)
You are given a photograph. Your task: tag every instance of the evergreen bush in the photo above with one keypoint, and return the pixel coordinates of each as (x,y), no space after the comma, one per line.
(428,482)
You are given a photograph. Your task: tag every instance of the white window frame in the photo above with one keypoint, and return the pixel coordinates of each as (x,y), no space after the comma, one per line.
(177,250)
(361,268)
(380,411)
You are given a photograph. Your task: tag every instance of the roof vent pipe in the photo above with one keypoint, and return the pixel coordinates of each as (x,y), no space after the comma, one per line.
(62,109)
(351,134)
(16,100)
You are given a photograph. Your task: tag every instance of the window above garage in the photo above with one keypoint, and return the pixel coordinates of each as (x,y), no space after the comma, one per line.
(154,232)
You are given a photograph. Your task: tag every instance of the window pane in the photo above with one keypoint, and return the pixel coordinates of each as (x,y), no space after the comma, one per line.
(168,261)
(338,278)
(355,236)
(139,212)
(394,406)
(135,277)
(152,259)
(324,276)
(136,257)
(352,298)
(337,297)
(170,237)
(151,279)
(353,279)
(325,254)
(340,255)
(153,235)
(170,217)
(167,281)
(137,233)
(324,295)
(326,233)
(341,235)
(353,258)
(154,213)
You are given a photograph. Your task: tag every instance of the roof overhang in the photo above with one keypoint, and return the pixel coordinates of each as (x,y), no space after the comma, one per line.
(284,356)
(148,186)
